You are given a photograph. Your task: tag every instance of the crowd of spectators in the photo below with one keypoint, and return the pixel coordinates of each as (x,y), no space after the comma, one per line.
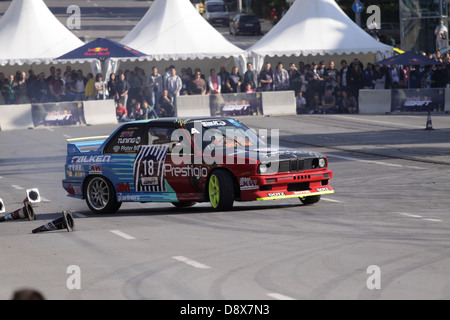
(319,88)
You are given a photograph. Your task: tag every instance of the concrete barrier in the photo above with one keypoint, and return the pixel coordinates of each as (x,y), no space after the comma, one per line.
(99,112)
(278,102)
(447,100)
(16,116)
(374,101)
(193,106)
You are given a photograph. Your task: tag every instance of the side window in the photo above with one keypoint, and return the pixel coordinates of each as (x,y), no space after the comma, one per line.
(127,140)
(160,135)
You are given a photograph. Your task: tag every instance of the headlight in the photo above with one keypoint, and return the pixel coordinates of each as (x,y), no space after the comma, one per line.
(322,163)
(264,167)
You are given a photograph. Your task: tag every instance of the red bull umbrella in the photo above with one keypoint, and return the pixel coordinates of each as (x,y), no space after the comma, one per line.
(101,48)
(409,58)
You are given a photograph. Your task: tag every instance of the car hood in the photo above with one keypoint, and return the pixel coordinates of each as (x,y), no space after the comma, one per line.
(275,154)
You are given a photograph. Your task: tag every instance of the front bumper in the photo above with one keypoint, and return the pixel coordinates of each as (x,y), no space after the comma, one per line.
(284,186)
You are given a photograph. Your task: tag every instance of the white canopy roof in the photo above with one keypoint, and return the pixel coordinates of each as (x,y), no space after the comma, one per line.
(317,27)
(30,33)
(173,29)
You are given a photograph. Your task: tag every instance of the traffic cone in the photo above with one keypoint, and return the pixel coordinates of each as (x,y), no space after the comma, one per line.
(22,213)
(2,206)
(64,222)
(429,125)
(26,211)
(33,196)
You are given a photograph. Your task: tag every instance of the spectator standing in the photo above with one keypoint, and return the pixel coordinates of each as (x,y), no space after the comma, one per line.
(343,75)
(42,89)
(266,78)
(273,16)
(154,86)
(122,88)
(173,85)
(356,80)
(280,78)
(331,76)
(234,81)
(223,74)
(214,82)
(379,77)
(70,92)
(295,80)
(368,76)
(89,90)
(56,87)
(100,87)
(111,86)
(80,85)
(198,85)
(250,76)
(441,33)
(22,89)
(9,90)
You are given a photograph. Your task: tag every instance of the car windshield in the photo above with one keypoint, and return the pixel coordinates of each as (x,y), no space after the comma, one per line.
(216,8)
(225,133)
(249,19)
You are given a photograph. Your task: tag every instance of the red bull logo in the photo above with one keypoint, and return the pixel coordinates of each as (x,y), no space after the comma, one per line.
(98,51)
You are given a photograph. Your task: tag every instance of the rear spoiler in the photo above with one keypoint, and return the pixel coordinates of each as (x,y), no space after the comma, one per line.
(77,145)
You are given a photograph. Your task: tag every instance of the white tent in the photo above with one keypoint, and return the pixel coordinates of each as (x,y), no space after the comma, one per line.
(30,33)
(174,30)
(316,27)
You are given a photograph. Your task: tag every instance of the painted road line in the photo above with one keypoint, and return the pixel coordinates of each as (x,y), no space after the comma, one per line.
(191,262)
(417,216)
(17,187)
(332,200)
(122,234)
(78,215)
(380,122)
(279,296)
(366,161)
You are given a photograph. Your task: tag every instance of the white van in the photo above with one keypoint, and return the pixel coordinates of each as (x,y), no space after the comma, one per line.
(215,12)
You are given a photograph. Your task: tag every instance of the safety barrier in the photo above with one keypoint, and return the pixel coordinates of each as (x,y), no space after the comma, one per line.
(229,104)
(384,101)
(374,101)
(25,116)
(17,116)
(99,112)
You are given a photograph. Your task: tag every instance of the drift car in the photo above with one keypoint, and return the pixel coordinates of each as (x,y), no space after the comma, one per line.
(185,161)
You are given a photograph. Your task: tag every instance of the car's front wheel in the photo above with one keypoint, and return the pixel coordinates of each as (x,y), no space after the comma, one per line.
(221,190)
(183,204)
(310,200)
(101,196)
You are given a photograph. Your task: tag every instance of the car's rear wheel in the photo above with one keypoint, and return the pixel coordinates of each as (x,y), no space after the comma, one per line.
(221,190)
(101,196)
(310,200)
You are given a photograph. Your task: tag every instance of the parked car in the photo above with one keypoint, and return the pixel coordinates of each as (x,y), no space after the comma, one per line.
(215,12)
(185,161)
(245,23)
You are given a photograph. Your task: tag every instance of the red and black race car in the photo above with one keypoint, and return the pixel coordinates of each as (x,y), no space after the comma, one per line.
(185,161)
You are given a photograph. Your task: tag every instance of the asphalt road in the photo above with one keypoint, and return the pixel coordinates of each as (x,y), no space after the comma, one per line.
(114,19)
(390,210)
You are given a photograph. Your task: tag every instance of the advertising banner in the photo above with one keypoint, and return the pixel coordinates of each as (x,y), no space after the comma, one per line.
(236,104)
(58,113)
(418,100)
